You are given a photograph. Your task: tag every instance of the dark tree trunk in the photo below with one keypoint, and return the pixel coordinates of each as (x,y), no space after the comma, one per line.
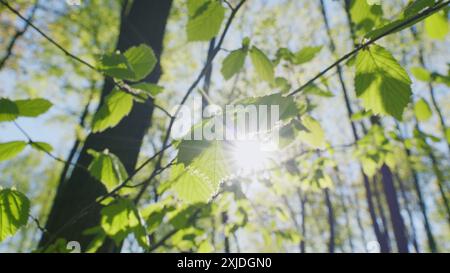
(144,23)
(380,207)
(413,234)
(302,200)
(226,240)
(331,221)
(394,209)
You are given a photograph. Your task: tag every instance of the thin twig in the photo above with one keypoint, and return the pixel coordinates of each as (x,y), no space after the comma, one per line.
(371,41)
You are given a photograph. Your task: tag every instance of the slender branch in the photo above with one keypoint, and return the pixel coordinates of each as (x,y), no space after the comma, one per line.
(16,37)
(191,89)
(120,85)
(395,28)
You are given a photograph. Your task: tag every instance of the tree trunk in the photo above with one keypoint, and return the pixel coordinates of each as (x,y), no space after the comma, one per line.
(413,235)
(394,209)
(331,221)
(144,23)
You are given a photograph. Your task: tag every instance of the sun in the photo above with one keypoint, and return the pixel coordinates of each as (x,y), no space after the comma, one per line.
(249,156)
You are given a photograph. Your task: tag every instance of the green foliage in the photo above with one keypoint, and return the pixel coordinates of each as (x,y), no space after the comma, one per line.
(364,16)
(117,105)
(262,64)
(381,83)
(407,14)
(33,107)
(361,115)
(313,89)
(107,168)
(133,65)
(150,88)
(9,150)
(421,74)
(115,65)
(14,211)
(142,61)
(42,146)
(374,150)
(306,54)
(121,218)
(233,63)
(286,104)
(10,110)
(436,26)
(205,19)
(202,167)
(422,110)
(311,132)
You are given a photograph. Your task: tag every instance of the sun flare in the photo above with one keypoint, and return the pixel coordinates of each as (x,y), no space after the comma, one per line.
(250,156)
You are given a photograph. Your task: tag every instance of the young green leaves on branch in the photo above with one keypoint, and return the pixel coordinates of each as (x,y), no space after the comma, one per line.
(132,66)
(14,212)
(107,168)
(235,60)
(382,84)
(205,19)
(11,110)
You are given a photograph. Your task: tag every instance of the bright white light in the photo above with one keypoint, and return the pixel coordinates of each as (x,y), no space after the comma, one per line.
(249,156)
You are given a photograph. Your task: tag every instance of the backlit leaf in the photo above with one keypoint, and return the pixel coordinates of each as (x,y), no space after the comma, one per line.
(262,64)
(9,150)
(205,19)
(233,63)
(381,83)
(117,105)
(14,211)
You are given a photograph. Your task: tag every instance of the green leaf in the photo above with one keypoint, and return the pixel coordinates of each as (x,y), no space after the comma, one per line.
(117,105)
(191,186)
(313,89)
(417,6)
(9,150)
(42,146)
(198,176)
(233,63)
(149,88)
(115,65)
(14,211)
(33,107)
(142,61)
(436,26)
(121,218)
(133,65)
(421,74)
(311,132)
(306,54)
(364,16)
(286,105)
(422,110)
(406,15)
(381,83)
(154,215)
(262,64)
(447,134)
(8,110)
(361,115)
(205,19)
(107,168)
(283,84)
